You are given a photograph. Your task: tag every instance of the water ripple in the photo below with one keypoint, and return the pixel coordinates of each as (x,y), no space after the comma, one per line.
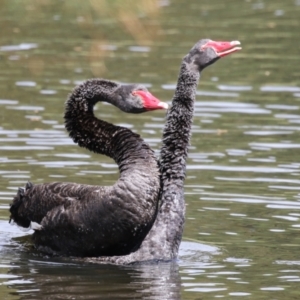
(270,88)
(252,169)
(238,88)
(27,107)
(20,47)
(8,102)
(275,145)
(26,83)
(225,107)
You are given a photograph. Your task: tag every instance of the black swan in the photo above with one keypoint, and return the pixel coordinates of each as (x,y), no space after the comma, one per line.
(163,240)
(85,220)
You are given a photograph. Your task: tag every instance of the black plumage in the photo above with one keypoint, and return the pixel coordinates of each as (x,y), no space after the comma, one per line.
(85,220)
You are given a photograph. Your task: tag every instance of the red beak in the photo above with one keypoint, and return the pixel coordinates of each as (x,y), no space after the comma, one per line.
(151,102)
(223,48)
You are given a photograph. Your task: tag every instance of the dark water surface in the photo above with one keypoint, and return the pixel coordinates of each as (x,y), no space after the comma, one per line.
(241,238)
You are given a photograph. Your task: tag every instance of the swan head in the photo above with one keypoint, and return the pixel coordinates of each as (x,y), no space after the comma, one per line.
(137,99)
(206,51)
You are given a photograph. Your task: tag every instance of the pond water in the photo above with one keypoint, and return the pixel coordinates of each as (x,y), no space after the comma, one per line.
(241,237)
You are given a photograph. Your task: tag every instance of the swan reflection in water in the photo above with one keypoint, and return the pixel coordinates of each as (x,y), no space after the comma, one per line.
(33,276)
(50,280)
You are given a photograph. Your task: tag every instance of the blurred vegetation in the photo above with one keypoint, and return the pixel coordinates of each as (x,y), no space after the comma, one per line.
(96,21)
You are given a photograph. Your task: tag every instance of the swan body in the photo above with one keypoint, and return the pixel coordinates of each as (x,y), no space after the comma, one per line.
(85,220)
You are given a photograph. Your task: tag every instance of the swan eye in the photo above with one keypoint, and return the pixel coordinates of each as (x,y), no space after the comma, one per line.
(203,47)
(138,93)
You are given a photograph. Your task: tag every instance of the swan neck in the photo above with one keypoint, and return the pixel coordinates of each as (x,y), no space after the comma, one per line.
(92,133)
(176,139)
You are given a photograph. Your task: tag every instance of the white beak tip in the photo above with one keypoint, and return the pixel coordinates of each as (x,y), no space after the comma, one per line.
(163,105)
(234,43)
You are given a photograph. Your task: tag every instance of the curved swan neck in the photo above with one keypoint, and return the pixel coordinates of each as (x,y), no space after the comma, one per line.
(85,96)
(97,135)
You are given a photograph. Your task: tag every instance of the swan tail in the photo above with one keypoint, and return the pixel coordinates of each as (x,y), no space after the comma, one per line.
(17,207)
